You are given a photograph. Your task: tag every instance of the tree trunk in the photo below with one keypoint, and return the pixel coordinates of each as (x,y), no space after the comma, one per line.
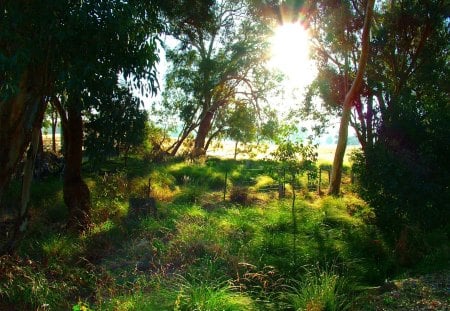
(18,116)
(22,219)
(178,144)
(336,173)
(54,125)
(76,193)
(203,130)
(41,143)
(369,121)
(236,149)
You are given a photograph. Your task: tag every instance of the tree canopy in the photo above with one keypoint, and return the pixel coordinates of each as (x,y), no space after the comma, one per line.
(214,66)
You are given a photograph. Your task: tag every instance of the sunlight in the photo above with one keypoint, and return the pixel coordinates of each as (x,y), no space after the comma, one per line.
(290,55)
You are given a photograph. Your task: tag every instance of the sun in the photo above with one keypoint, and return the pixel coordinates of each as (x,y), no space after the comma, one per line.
(290,54)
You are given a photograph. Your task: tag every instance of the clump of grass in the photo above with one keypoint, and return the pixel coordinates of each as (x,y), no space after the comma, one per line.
(189,195)
(61,247)
(240,195)
(204,295)
(320,290)
(23,284)
(263,284)
(336,213)
(200,175)
(263,181)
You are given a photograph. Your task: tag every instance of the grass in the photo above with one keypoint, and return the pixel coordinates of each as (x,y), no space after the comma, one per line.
(320,289)
(200,252)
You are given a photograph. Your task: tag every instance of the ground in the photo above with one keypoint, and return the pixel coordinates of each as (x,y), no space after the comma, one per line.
(423,292)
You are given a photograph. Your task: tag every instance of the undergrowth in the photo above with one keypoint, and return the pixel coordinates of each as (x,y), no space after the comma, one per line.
(208,247)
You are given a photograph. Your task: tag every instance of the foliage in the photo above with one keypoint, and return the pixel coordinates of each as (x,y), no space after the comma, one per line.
(401,113)
(293,155)
(213,67)
(402,190)
(128,131)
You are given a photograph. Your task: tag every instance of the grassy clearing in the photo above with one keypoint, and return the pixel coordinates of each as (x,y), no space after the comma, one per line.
(201,252)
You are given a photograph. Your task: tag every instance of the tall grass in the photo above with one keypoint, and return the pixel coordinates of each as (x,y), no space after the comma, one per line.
(320,290)
(259,248)
(201,295)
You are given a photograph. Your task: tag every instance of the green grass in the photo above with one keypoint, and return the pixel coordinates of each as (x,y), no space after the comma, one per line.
(200,251)
(320,289)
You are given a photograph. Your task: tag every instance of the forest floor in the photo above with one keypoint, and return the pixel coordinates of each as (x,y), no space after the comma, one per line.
(422,292)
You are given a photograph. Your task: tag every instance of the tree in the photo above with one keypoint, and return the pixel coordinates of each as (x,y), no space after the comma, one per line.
(405,167)
(395,114)
(241,125)
(213,66)
(341,59)
(123,110)
(73,49)
(336,172)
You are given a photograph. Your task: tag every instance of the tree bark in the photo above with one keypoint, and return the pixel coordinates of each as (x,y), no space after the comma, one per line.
(21,222)
(336,173)
(203,130)
(76,193)
(18,115)
(177,145)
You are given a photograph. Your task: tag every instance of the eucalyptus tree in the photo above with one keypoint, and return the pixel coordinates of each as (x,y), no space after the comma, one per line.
(408,81)
(341,35)
(400,111)
(404,35)
(214,65)
(71,51)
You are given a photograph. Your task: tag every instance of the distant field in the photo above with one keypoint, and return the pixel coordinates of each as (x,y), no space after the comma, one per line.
(326,152)
(47,138)
(226,150)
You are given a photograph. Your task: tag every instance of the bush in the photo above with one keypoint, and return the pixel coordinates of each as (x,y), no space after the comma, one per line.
(403,189)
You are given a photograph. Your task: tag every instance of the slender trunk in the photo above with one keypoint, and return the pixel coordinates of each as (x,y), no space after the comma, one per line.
(178,144)
(203,130)
(336,173)
(54,125)
(208,142)
(236,149)
(76,192)
(369,121)
(41,143)
(211,137)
